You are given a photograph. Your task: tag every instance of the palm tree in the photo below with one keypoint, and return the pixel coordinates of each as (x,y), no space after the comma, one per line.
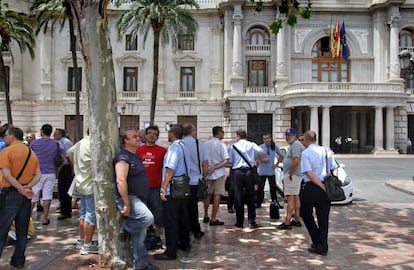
(13,26)
(167,19)
(51,12)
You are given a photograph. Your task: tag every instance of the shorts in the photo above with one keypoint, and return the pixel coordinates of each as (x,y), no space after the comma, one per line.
(87,209)
(154,204)
(46,183)
(216,186)
(291,187)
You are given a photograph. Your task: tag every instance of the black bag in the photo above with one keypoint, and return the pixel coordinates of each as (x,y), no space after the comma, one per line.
(202,182)
(274,210)
(58,157)
(202,189)
(333,186)
(180,187)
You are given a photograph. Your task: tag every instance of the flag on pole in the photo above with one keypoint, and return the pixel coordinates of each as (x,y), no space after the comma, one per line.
(338,39)
(344,48)
(332,40)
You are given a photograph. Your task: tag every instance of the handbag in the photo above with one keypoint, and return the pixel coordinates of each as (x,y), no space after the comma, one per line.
(274,210)
(180,185)
(202,182)
(333,185)
(252,168)
(58,157)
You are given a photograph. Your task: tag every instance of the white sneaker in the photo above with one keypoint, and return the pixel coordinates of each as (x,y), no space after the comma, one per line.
(89,248)
(78,244)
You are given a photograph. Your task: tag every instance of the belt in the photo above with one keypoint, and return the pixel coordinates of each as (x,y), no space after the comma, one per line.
(8,189)
(242,168)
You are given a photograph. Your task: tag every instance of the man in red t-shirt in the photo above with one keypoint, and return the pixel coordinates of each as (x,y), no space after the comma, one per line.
(152,156)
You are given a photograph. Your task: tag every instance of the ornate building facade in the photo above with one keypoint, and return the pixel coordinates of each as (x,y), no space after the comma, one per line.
(236,74)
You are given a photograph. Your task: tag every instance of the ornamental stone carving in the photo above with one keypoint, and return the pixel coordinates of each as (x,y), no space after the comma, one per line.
(300,35)
(362,38)
(237,68)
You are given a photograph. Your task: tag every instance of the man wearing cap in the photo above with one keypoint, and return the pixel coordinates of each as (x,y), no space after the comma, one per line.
(292,178)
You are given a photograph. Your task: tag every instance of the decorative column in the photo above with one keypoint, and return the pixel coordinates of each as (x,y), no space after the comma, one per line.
(326,127)
(379,137)
(237,76)
(314,123)
(389,144)
(228,52)
(393,22)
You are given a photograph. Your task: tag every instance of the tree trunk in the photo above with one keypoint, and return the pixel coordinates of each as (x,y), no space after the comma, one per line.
(103,116)
(5,85)
(156,48)
(72,35)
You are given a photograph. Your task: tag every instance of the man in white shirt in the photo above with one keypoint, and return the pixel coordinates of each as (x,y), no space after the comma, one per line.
(217,157)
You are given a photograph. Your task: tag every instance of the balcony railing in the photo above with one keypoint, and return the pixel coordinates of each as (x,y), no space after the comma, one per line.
(257,48)
(410,49)
(320,87)
(72,94)
(258,91)
(128,95)
(187,94)
(2,96)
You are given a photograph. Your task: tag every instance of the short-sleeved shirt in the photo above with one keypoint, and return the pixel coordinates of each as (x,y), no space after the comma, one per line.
(66,143)
(80,153)
(295,150)
(174,160)
(266,168)
(313,159)
(2,144)
(195,169)
(137,179)
(250,150)
(152,158)
(216,152)
(46,150)
(13,158)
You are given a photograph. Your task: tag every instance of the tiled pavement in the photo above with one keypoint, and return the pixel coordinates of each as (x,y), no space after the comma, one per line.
(362,236)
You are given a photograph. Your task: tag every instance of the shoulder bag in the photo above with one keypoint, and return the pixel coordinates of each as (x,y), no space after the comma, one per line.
(202,182)
(333,185)
(252,168)
(58,157)
(180,185)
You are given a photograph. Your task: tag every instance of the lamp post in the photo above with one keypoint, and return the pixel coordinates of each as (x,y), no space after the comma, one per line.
(226,111)
(407,67)
(123,108)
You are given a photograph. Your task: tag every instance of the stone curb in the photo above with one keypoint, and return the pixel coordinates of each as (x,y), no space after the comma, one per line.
(406,186)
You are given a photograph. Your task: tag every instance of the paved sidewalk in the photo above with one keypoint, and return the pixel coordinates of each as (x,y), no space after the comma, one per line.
(362,236)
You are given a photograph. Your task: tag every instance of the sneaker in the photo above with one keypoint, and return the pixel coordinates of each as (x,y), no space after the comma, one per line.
(295,223)
(283,226)
(89,248)
(78,244)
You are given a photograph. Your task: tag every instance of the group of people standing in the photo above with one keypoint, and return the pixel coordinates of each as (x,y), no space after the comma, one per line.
(143,174)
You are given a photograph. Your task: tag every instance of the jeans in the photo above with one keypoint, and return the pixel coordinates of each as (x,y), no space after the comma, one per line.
(136,224)
(17,208)
(260,190)
(87,209)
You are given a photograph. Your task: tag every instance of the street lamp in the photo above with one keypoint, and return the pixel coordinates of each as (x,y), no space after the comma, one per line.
(226,111)
(123,108)
(407,67)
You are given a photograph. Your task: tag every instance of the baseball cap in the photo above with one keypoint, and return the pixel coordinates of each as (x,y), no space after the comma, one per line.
(290,132)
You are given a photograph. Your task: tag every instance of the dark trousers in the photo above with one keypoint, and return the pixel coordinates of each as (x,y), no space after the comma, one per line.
(312,196)
(16,207)
(243,183)
(260,188)
(65,178)
(192,205)
(176,225)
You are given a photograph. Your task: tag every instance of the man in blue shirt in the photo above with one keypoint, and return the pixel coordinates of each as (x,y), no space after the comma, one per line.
(3,130)
(176,223)
(313,193)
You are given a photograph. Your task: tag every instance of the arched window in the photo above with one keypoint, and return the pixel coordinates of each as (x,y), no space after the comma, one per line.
(258,36)
(326,68)
(406,38)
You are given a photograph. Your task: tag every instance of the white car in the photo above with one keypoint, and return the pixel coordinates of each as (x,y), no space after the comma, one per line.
(347,185)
